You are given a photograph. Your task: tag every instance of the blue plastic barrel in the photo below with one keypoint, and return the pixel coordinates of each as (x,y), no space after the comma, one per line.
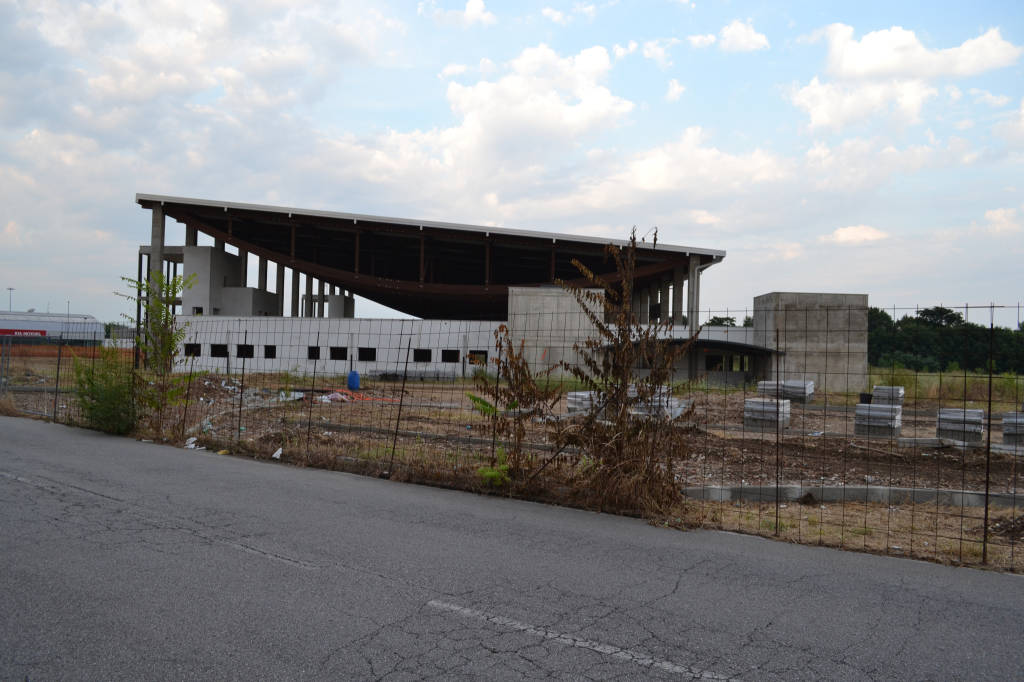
(353,380)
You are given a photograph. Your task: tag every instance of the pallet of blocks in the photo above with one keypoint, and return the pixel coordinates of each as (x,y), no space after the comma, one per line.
(873,420)
(766,414)
(967,426)
(1013,428)
(796,390)
(887,395)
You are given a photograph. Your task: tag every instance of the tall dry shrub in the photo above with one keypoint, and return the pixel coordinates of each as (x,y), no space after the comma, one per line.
(628,454)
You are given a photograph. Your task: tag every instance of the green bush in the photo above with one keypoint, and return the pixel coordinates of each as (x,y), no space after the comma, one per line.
(105,393)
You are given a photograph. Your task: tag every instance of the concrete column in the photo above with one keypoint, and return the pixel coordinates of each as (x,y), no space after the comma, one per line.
(307,309)
(693,292)
(323,299)
(295,293)
(653,302)
(644,315)
(678,278)
(218,244)
(350,306)
(279,289)
(692,312)
(243,266)
(156,244)
(191,235)
(261,282)
(664,312)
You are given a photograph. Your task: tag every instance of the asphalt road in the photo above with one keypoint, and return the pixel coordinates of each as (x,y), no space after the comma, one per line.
(127,560)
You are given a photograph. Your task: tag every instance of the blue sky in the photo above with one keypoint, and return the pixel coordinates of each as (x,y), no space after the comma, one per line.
(856,147)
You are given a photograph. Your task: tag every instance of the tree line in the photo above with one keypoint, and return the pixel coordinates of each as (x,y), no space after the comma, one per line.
(939,339)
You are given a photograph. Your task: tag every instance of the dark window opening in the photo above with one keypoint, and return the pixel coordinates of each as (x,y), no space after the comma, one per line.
(449,356)
(313,352)
(339,353)
(245,350)
(478,357)
(421,355)
(197,310)
(368,354)
(270,352)
(219,350)
(193,350)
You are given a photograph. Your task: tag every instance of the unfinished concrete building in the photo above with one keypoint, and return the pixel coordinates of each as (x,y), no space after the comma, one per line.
(460,281)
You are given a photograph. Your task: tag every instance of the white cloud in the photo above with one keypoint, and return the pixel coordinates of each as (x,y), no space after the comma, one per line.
(954,93)
(964,124)
(1003,221)
(1013,129)
(657,50)
(741,37)
(621,51)
(675,91)
(702,217)
(897,53)
(475,12)
(988,98)
(834,105)
(556,16)
(588,10)
(702,40)
(452,70)
(854,235)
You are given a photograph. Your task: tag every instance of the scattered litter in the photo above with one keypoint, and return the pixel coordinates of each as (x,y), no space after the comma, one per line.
(816,434)
(190,444)
(241,428)
(223,452)
(290,395)
(277,453)
(146,440)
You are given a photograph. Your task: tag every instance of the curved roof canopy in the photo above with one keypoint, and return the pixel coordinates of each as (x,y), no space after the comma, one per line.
(430,269)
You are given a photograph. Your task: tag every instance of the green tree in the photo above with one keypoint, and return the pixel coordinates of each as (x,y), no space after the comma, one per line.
(718,321)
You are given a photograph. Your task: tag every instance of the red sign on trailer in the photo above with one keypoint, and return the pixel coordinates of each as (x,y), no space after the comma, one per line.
(22,332)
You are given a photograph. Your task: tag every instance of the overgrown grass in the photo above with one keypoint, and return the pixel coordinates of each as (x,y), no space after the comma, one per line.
(952,387)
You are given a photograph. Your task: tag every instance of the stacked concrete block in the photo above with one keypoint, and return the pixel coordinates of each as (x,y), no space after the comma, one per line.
(1013,428)
(878,420)
(967,426)
(791,389)
(661,405)
(766,414)
(887,395)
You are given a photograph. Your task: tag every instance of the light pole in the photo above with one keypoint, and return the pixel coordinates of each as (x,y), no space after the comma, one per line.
(10,297)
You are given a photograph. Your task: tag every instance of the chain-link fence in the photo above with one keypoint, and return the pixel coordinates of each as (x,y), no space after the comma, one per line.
(893,430)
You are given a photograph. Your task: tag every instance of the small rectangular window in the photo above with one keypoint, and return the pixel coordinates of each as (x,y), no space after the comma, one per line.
(245,350)
(193,350)
(368,354)
(421,355)
(339,353)
(449,356)
(218,350)
(270,352)
(197,310)
(313,352)
(478,357)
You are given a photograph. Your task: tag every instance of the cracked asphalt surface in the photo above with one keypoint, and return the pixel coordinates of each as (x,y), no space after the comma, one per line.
(127,560)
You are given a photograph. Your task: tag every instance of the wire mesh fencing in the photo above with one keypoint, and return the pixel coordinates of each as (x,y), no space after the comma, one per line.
(895,431)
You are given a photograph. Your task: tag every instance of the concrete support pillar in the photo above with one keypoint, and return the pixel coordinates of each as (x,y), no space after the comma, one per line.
(191,235)
(261,281)
(295,293)
(218,244)
(678,279)
(279,289)
(350,306)
(644,314)
(323,299)
(693,311)
(307,309)
(693,292)
(664,312)
(653,302)
(156,244)
(243,267)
